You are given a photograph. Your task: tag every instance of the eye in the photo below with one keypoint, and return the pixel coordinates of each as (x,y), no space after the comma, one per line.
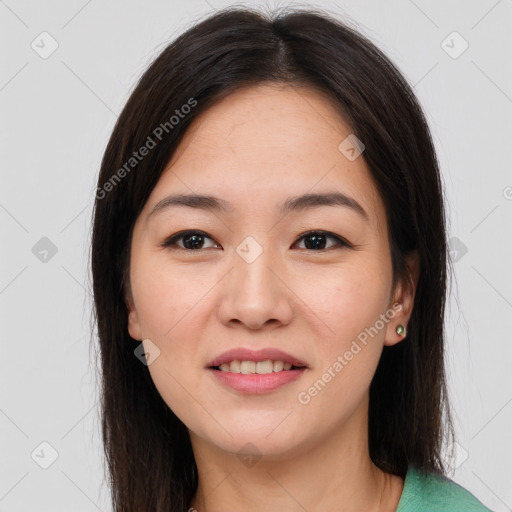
(316,240)
(195,240)
(192,240)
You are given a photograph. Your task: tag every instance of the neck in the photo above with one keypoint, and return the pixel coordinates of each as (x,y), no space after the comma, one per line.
(330,474)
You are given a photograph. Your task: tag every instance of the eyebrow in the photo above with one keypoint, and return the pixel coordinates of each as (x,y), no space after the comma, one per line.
(292,204)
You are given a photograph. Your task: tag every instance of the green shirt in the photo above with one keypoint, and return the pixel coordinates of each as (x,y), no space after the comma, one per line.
(429,492)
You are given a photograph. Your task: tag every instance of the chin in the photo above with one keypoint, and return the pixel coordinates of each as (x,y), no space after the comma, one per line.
(268,440)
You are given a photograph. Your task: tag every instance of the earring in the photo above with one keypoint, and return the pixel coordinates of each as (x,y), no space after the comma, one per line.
(401,330)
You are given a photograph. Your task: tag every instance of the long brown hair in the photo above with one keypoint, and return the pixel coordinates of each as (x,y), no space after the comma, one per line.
(151,466)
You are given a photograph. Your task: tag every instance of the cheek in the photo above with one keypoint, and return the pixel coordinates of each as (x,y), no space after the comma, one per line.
(167,296)
(348,347)
(348,351)
(171,303)
(346,301)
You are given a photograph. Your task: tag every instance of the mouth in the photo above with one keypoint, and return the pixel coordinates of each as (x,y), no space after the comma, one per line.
(249,367)
(255,372)
(256,384)
(262,361)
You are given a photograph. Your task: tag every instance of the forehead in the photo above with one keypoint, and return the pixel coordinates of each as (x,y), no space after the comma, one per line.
(291,121)
(262,144)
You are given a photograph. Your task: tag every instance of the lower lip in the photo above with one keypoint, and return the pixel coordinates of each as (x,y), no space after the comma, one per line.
(256,383)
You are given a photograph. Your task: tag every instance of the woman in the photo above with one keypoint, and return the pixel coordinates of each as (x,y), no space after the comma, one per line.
(269,263)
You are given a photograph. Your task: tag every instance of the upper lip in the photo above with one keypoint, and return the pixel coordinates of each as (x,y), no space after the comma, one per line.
(247,354)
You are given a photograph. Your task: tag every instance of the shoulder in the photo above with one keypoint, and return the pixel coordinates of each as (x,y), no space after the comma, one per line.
(429,492)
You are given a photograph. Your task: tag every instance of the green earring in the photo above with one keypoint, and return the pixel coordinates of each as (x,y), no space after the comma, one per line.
(401,330)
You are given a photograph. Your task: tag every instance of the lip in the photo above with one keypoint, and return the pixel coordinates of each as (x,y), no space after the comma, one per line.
(254,383)
(247,354)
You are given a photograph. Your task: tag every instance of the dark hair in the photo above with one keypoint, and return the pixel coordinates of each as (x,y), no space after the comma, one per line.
(150,461)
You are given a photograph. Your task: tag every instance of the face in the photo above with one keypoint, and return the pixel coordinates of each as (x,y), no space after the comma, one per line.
(311,278)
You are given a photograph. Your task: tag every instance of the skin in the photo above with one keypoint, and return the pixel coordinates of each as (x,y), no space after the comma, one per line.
(256,148)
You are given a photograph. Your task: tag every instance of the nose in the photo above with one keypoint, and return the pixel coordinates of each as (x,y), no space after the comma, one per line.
(256,294)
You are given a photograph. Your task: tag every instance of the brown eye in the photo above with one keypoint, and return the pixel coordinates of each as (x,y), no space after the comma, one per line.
(317,240)
(192,240)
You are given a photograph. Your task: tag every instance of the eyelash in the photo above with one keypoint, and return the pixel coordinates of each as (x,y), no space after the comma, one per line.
(169,242)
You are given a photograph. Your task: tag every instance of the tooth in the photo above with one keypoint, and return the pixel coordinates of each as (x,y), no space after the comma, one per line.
(278,366)
(264,366)
(247,367)
(259,367)
(234,366)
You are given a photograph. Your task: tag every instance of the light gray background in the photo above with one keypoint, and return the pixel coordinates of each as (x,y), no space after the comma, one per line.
(56,116)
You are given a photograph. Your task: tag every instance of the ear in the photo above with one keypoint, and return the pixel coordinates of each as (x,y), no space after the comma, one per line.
(403,298)
(133,317)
